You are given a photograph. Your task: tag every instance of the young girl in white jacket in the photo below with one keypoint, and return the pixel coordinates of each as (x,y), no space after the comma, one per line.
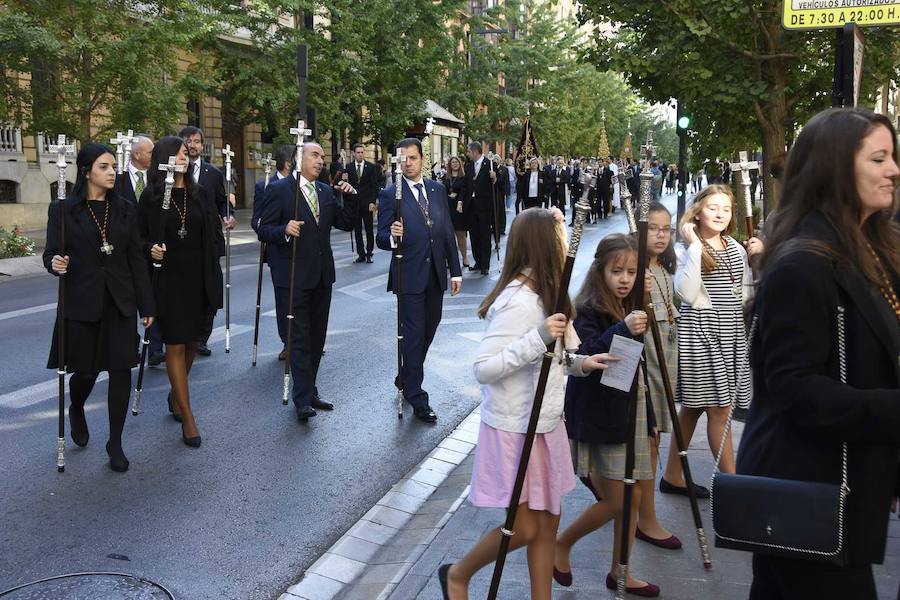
(508,363)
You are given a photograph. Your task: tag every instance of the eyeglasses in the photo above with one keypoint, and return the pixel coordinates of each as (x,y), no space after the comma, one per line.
(656,230)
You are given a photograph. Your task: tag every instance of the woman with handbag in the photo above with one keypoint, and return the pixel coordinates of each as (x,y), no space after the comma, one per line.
(826,410)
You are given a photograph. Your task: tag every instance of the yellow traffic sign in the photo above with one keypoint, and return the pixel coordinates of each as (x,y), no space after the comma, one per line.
(828,14)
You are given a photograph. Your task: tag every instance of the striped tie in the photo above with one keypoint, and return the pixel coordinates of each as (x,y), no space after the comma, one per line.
(313,199)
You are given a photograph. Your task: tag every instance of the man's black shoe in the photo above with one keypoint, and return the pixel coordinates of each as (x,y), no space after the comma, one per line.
(361,259)
(424,413)
(203,350)
(369,260)
(319,404)
(484,271)
(156,358)
(305,412)
(474,268)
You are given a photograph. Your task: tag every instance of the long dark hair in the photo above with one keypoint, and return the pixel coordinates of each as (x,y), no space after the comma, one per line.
(534,243)
(820,175)
(667,260)
(162,150)
(87,156)
(594,293)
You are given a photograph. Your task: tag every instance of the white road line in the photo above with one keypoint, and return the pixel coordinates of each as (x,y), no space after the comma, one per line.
(474,336)
(358,289)
(38,392)
(27,311)
(460,320)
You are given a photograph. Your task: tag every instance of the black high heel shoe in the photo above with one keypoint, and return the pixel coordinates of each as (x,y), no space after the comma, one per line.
(78,426)
(175,415)
(193,442)
(118,462)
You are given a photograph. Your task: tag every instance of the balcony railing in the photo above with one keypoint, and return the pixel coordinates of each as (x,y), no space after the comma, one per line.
(10,139)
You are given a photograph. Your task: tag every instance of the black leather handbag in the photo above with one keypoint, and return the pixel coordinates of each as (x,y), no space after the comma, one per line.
(782,517)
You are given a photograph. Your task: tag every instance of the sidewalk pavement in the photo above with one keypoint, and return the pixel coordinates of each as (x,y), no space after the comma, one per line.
(404,566)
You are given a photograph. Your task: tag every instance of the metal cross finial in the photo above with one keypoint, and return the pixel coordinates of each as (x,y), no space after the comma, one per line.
(228,154)
(170,168)
(301,132)
(399,159)
(429,125)
(119,143)
(130,140)
(603,114)
(62,149)
(744,166)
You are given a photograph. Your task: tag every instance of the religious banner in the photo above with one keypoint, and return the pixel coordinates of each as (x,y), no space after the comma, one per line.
(527,148)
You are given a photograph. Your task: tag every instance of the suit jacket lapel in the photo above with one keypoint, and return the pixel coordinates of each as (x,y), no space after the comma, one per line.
(875,316)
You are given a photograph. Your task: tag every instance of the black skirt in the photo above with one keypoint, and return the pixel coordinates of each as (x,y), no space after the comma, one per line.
(183,307)
(110,344)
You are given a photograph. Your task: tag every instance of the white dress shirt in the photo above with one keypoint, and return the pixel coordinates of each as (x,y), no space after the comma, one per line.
(195,170)
(412,185)
(533,185)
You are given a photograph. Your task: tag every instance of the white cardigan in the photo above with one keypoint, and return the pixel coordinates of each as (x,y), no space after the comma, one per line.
(508,363)
(689,280)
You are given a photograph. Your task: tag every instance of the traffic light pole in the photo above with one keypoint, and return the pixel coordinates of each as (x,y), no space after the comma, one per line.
(682,152)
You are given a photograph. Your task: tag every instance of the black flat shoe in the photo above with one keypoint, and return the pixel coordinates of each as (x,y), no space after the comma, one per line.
(369,261)
(443,572)
(156,359)
(118,462)
(203,350)
(78,426)
(319,404)
(474,268)
(361,259)
(667,488)
(175,415)
(424,413)
(193,442)
(305,412)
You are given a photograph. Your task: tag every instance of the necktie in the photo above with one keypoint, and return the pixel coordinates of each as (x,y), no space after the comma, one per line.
(196,172)
(139,186)
(423,202)
(359,168)
(313,199)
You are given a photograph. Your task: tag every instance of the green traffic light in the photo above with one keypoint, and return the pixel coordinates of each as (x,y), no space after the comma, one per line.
(684,122)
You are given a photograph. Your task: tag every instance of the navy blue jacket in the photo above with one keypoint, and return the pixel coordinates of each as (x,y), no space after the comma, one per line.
(595,413)
(315,261)
(423,248)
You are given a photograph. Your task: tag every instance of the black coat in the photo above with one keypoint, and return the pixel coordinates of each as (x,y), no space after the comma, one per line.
(213,181)
(801,412)
(315,260)
(124,187)
(595,413)
(522,183)
(479,188)
(149,211)
(124,272)
(456,185)
(367,186)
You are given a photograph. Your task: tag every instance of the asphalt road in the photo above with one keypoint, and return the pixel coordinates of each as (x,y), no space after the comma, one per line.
(245,514)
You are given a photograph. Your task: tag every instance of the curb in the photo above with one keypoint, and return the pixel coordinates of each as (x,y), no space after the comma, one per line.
(374,555)
(17,267)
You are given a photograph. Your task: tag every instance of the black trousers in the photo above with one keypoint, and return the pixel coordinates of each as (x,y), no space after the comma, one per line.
(420,316)
(480,232)
(281,310)
(501,215)
(789,579)
(310,324)
(118,393)
(531,203)
(364,221)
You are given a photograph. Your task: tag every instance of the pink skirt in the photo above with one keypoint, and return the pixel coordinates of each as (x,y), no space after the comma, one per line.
(549,476)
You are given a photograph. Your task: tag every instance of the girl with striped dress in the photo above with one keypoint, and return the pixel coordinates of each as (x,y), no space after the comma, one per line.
(714,281)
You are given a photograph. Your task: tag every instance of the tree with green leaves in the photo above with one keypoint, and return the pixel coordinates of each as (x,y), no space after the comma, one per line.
(745,81)
(99,68)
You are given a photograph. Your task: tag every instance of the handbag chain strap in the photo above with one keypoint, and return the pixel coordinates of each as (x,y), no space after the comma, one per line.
(845,488)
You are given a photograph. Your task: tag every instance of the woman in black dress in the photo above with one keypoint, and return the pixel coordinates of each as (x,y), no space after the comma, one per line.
(190,279)
(824,354)
(455,181)
(106,284)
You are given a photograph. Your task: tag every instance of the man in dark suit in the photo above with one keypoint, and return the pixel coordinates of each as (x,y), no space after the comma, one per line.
(212,180)
(428,245)
(366,177)
(575,185)
(314,274)
(604,189)
(479,191)
(557,184)
(284,164)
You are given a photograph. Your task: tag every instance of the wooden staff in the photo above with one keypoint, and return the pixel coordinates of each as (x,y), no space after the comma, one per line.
(581,210)
(670,396)
(228,153)
(267,165)
(170,168)
(637,295)
(61,149)
(494,212)
(300,131)
(398,160)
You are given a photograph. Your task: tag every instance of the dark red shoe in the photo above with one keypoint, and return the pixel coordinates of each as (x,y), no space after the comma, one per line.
(646,591)
(670,543)
(563,579)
